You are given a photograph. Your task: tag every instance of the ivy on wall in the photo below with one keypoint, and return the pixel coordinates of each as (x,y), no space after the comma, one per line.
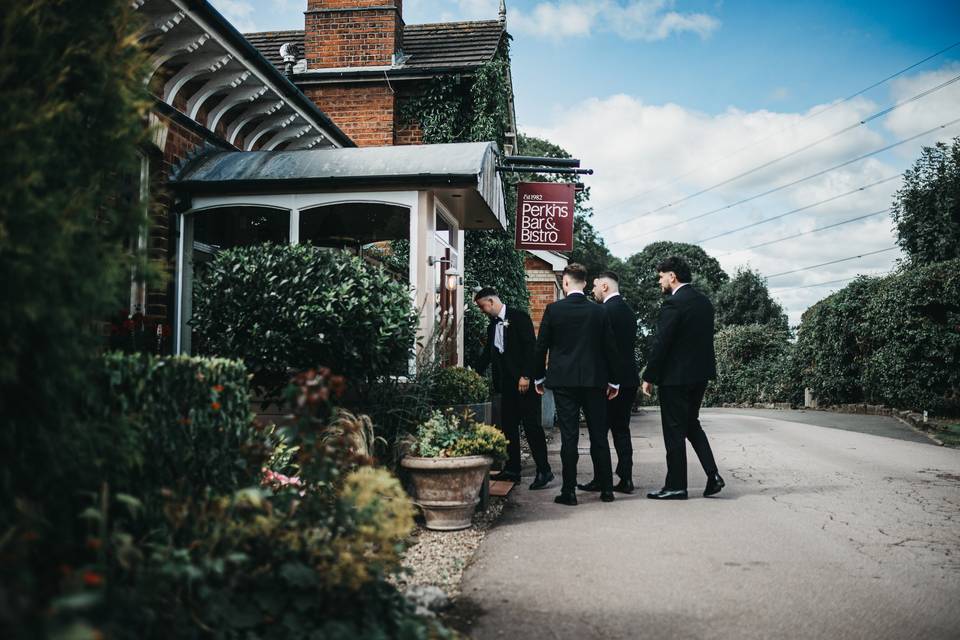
(476,108)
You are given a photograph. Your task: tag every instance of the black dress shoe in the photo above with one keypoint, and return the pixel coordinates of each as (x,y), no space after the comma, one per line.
(542,480)
(593,485)
(668,494)
(606,496)
(624,486)
(506,475)
(714,484)
(568,499)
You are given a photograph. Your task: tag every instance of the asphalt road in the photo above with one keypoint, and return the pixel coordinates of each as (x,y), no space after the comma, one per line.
(821,533)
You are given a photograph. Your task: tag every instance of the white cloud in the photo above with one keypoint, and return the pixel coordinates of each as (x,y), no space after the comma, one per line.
(239,13)
(649,155)
(648,20)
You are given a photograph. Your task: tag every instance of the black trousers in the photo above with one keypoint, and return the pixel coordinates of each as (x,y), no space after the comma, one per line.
(593,401)
(517,408)
(680,417)
(618,416)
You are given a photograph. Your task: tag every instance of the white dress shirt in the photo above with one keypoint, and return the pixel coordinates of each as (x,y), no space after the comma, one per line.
(682,284)
(498,330)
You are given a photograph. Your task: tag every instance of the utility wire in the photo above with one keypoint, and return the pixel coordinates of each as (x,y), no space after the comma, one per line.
(798,210)
(792,183)
(829,282)
(783,130)
(798,150)
(805,233)
(824,264)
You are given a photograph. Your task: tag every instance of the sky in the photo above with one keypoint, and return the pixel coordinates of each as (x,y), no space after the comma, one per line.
(677,104)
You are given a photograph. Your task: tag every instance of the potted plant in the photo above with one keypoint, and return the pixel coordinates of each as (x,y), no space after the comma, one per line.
(448,460)
(462,390)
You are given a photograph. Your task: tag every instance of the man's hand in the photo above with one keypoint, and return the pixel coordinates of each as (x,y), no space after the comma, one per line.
(524,385)
(539,388)
(647,388)
(612,392)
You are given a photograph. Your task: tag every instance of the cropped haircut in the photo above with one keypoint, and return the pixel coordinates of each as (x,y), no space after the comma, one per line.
(485,292)
(576,271)
(679,267)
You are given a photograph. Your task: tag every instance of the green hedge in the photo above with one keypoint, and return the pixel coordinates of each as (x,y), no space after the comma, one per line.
(457,385)
(280,308)
(191,417)
(753,365)
(891,340)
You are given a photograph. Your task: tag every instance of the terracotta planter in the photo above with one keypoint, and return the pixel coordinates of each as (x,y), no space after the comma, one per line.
(447,489)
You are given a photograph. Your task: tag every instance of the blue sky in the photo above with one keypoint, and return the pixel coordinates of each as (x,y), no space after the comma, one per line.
(646,91)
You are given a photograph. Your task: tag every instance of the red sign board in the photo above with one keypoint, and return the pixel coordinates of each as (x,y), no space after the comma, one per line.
(545,216)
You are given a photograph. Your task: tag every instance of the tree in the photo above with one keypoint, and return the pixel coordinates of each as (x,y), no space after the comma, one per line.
(926,210)
(745,300)
(74,111)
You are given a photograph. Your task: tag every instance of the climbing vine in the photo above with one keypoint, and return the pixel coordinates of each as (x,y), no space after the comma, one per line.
(475,108)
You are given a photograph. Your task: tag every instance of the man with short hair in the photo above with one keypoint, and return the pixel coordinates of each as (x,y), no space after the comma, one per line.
(681,362)
(606,290)
(509,349)
(576,334)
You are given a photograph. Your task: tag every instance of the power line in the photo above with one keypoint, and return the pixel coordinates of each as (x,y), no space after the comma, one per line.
(793,183)
(796,151)
(798,209)
(829,282)
(805,233)
(783,130)
(824,264)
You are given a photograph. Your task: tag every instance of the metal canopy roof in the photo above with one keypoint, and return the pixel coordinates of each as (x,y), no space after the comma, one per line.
(462,175)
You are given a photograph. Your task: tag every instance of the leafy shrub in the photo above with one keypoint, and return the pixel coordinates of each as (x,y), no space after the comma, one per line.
(753,365)
(447,435)
(891,340)
(458,385)
(191,416)
(280,308)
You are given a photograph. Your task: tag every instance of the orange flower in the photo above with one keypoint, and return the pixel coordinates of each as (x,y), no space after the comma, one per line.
(92,579)
(218,388)
(215,406)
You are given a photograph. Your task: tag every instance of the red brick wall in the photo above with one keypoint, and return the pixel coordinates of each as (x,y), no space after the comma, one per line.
(541,294)
(352,33)
(365,112)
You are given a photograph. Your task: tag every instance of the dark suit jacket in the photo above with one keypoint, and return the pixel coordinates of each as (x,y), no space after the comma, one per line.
(579,338)
(682,351)
(624,324)
(516,361)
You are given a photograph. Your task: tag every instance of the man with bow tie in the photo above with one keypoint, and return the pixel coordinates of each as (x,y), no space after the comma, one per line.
(509,350)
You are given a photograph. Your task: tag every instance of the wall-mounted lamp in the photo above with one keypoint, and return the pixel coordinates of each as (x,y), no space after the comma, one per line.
(432,260)
(454,279)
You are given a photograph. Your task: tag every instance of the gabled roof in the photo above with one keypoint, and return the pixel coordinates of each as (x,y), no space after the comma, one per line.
(430,46)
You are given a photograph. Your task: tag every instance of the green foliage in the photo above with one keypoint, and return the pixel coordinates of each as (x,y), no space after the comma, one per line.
(281,308)
(753,365)
(474,108)
(447,435)
(926,210)
(892,340)
(73,106)
(458,385)
(745,300)
(190,415)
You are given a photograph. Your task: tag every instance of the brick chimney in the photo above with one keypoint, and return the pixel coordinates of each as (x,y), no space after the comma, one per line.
(352,33)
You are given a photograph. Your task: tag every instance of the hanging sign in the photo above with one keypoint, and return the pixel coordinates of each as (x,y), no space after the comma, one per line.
(545,216)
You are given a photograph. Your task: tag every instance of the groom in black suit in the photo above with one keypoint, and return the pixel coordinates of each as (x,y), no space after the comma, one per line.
(582,374)
(681,362)
(509,348)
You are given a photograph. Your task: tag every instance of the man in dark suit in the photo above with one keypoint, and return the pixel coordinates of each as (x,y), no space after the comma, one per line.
(606,290)
(680,363)
(509,349)
(582,374)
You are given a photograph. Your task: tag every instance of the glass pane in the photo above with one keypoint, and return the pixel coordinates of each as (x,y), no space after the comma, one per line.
(353,225)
